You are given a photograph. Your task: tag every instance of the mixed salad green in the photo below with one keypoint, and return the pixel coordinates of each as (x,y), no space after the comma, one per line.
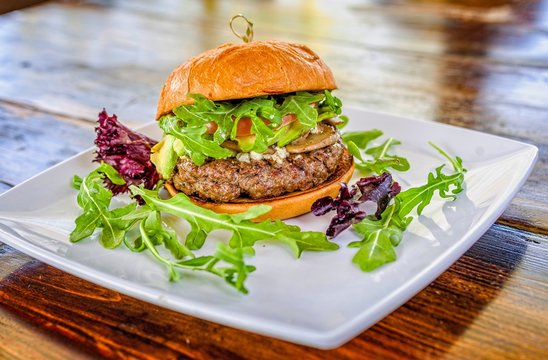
(140,225)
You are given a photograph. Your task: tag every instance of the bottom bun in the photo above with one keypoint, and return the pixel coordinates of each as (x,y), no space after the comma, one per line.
(285,206)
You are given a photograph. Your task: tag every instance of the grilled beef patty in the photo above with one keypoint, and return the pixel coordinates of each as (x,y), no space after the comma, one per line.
(229,180)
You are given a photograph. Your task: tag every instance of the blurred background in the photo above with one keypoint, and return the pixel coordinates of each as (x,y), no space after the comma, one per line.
(435,56)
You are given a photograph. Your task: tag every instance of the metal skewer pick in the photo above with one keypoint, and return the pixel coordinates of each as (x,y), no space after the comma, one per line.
(248,37)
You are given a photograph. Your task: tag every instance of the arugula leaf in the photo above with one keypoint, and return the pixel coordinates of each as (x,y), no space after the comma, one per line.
(383,160)
(331,107)
(299,104)
(361,138)
(447,187)
(150,245)
(115,225)
(235,274)
(379,160)
(256,108)
(153,234)
(195,146)
(244,232)
(344,122)
(94,200)
(162,235)
(379,238)
(197,114)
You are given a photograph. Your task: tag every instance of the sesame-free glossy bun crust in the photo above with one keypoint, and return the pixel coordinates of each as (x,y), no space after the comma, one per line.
(239,71)
(283,207)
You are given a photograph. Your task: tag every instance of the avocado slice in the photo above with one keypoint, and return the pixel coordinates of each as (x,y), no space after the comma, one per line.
(164,156)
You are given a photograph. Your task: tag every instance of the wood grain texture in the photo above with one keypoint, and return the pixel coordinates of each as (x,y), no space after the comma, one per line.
(31,142)
(493,285)
(24,344)
(26,339)
(476,64)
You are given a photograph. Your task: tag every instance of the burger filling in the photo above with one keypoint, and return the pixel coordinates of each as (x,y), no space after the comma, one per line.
(251,149)
(231,180)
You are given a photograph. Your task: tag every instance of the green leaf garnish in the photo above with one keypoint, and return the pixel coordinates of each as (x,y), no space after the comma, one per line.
(380,237)
(195,145)
(235,274)
(244,232)
(383,160)
(378,160)
(115,226)
(94,200)
(227,262)
(361,138)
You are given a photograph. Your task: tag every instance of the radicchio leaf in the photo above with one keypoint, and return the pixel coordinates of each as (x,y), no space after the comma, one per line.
(349,202)
(378,189)
(127,151)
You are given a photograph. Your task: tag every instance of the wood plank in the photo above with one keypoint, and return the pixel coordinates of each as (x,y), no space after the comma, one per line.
(29,341)
(410,84)
(479,308)
(31,142)
(127,74)
(16,5)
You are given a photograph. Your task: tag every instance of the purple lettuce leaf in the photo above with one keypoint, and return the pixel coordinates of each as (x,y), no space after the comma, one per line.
(378,189)
(349,203)
(127,151)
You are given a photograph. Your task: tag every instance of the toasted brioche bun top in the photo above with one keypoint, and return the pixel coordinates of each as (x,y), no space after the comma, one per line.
(239,71)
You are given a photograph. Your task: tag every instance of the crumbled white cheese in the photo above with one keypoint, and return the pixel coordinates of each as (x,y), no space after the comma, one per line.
(315,130)
(278,156)
(280,153)
(255,155)
(243,157)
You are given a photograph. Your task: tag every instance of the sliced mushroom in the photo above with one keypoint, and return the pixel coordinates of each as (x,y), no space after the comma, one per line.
(334,121)
(324,137)
(231,145)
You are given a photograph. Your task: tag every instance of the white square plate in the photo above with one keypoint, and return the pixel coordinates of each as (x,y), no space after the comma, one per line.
(320,300)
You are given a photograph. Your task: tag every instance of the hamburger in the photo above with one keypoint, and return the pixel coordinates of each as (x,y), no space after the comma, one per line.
(249,124)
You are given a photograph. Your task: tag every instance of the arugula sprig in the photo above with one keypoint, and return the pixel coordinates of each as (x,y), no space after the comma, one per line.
(153,232)
(95,199)
(245,233)
(234,274)
(375,160)
(116,225)
(227,262)
(380,237)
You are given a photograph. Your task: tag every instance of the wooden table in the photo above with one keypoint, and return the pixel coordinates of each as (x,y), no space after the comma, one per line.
(479,64)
